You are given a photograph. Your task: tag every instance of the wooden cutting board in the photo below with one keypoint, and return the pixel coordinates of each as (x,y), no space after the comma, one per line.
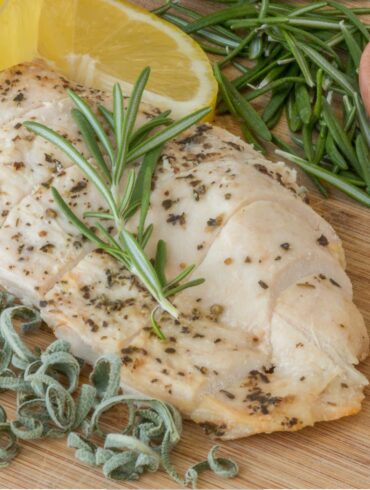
(330,455)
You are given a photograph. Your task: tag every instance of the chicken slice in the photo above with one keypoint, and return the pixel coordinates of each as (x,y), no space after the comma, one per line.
(111,303)
(307,380)
(263,240)
(38,244)
(191,208)
(27,160)
(262,249)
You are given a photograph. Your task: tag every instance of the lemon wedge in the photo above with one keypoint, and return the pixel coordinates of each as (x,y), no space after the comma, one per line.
(97,42)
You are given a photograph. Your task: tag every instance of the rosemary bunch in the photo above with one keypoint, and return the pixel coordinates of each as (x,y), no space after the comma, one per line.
(305,56)
(124,192)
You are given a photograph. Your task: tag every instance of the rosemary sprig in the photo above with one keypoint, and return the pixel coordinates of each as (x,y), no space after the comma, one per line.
(123,191)
(305,55)
(337,181)
(50,403)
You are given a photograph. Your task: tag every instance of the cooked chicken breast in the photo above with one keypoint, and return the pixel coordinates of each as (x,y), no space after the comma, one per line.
(268,342)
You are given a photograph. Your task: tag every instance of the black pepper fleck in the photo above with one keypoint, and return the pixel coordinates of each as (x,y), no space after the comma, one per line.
(229,395)
(323,241)
(334,283)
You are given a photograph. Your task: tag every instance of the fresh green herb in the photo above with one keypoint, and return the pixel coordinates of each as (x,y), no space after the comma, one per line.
(237,49)
(334,154)
(292,114)
(300,59)
(221,16)
(303,101)
(353,48)
(333,72)
(274,107)
(307,8)
(272,75)
(351,17)
(241,107)
(305,56)
(339,136)
(307,142)
(363,120)
(50,404)
(280,83)
(363,157)
(321,144)
(296,21)
(123,200)
(323,174)
(255,47)
(319,94)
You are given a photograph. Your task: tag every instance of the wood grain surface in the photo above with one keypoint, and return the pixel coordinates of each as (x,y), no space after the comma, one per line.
(329,455)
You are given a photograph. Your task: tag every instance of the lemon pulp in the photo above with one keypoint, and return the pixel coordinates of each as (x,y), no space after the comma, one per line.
(19,21)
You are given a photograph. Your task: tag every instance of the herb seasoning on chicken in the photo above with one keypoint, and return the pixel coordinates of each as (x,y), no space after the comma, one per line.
(268,342)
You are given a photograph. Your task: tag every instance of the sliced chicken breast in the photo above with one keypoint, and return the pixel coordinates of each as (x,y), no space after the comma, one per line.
(38,244)
(270,340)
(278,249)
